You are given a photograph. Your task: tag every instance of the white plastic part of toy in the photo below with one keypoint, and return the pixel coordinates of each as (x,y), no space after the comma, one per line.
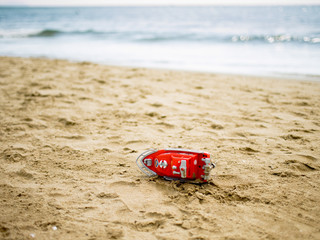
(140,163)
(183,168)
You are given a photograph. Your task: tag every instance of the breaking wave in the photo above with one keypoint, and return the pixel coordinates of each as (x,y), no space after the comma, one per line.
(46,33)
(152,37)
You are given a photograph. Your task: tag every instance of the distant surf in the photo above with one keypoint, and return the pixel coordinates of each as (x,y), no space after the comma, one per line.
(164,37)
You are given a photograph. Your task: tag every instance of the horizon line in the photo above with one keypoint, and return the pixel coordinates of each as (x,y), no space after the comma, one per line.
(163,5)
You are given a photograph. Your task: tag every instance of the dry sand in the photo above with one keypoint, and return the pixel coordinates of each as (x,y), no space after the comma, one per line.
(70,134)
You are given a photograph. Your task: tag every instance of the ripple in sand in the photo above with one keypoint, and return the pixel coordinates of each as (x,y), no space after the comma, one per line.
(66,122)
(291,137)
(167,125)
(248,149)
(216,126)
(157,105)
(300,166)
(74,137)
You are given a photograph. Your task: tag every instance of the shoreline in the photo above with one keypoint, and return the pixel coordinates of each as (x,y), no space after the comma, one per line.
(277,76)
(70,133)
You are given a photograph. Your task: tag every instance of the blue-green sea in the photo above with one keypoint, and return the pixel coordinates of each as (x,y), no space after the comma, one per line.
(268,41)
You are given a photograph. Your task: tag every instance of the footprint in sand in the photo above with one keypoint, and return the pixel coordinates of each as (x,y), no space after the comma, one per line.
(148,225)
(107,195)
(23,173)
(12,155)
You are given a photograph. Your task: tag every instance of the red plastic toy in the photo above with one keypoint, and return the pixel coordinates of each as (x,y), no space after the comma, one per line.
(176,163)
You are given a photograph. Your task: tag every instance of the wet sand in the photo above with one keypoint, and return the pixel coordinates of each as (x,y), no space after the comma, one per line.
(70,134)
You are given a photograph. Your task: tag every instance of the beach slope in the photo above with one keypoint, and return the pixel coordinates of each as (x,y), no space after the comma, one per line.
(70,134)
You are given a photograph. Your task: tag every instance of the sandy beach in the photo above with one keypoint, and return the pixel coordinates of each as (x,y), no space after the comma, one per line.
(70,134)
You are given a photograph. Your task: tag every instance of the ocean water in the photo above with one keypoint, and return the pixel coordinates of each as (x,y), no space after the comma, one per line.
(267,41)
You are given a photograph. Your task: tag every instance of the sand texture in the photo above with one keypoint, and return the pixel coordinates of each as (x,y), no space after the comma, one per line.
(70,134)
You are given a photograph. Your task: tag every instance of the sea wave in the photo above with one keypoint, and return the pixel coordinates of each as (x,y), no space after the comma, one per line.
(152,37)
(46,33)
(42,33)
(53,33)
(268,38)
